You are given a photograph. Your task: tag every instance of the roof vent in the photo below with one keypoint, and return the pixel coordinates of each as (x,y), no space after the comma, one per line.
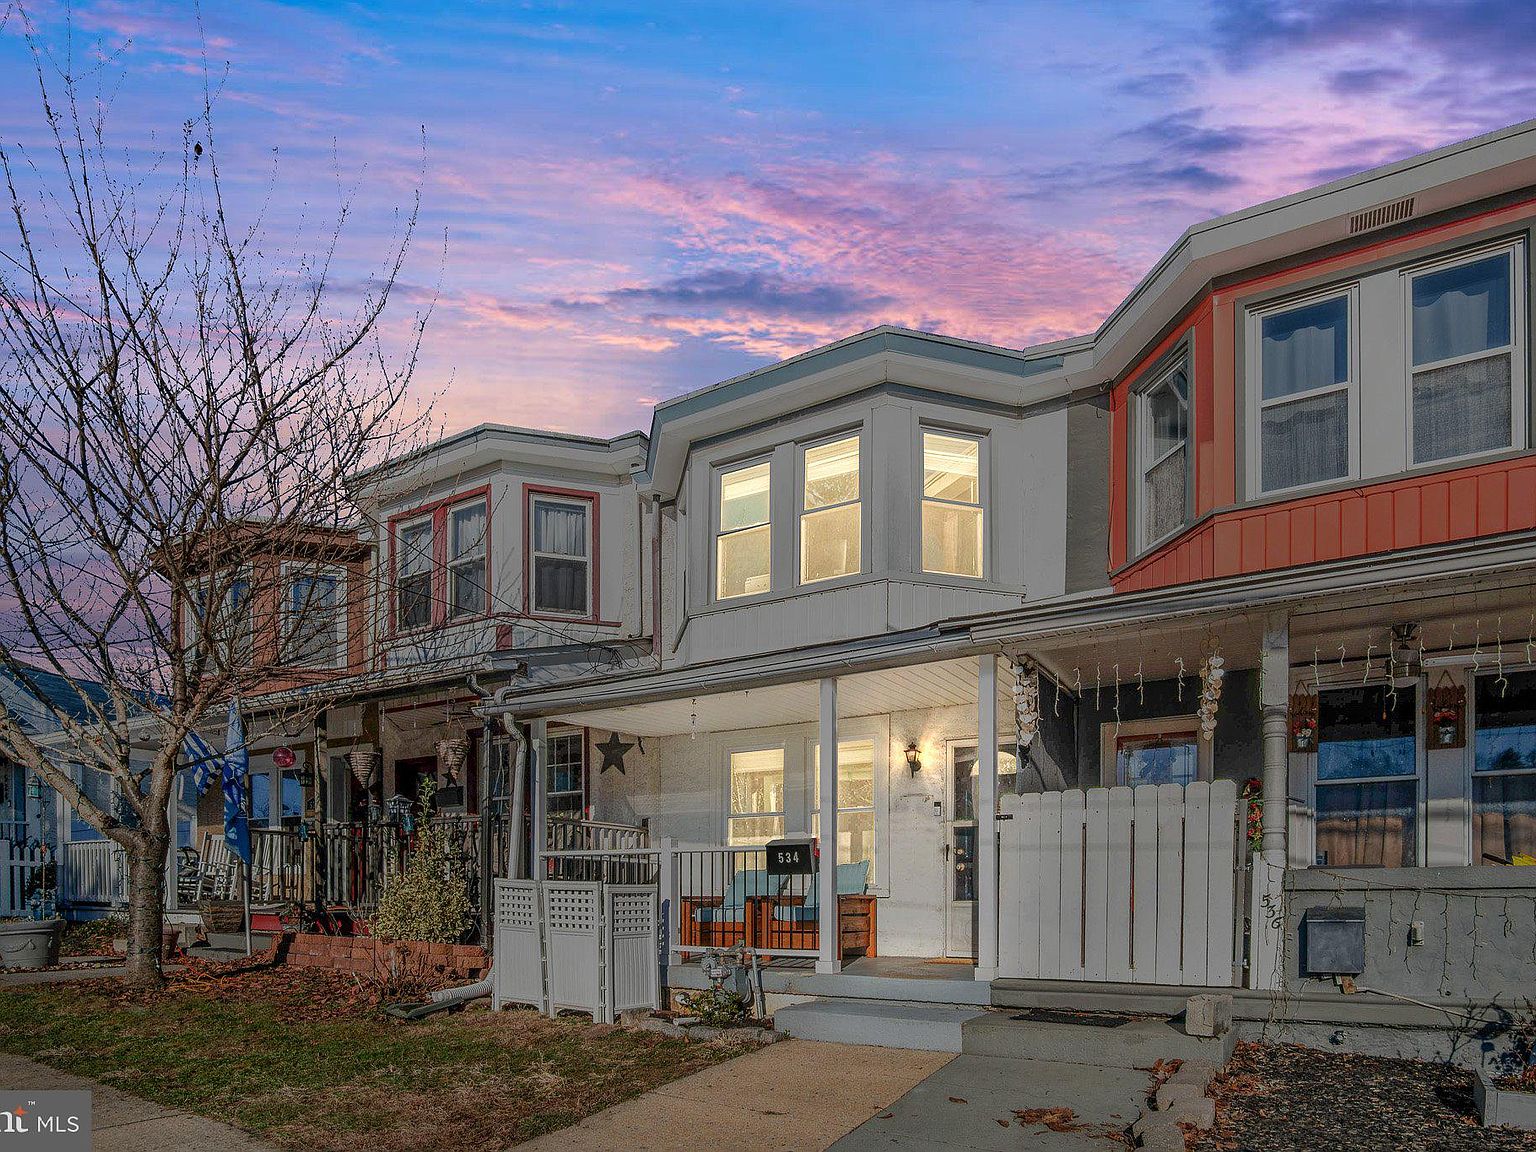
(1380,216)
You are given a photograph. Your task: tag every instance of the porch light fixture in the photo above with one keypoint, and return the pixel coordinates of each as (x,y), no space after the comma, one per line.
(914,761)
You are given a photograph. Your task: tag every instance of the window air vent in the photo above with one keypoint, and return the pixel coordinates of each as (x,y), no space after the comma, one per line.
(1380,216)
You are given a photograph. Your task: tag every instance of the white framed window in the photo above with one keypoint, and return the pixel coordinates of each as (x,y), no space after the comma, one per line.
(1466,367)
(466,559)
(1303,357)
(953,518)
(755,811)
(1503,767)
(1163,454)
(744,531)
(560,555)
(1165,750)
(413,573)
(277,798)
(1366,777)
(831,520)
(566,776)
(315,617)
(230,624)
(855,800)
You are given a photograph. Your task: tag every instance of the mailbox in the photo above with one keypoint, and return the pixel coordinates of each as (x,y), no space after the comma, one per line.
(791,857)
(1333,941)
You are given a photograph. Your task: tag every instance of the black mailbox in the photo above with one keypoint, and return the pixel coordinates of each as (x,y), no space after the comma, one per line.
(1333,941)
(791,857)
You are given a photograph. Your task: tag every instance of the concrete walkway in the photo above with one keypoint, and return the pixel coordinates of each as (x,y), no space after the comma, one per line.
(125,1123)
(793,1096)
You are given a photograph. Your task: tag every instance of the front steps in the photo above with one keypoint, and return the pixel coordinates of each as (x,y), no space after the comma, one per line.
(878,1023)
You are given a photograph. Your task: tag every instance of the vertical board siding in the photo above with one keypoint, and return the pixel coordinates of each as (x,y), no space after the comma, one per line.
(1486,500)
(1120,885)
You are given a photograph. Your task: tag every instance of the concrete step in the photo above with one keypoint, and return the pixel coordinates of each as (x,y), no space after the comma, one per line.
(1129,1043)
(879,1023)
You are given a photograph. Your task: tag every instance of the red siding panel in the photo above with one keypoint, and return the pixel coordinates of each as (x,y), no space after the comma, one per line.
(1435,513)
(1522,499)
(1277,539)
(1492,503)
(1463,507)
(1303,534)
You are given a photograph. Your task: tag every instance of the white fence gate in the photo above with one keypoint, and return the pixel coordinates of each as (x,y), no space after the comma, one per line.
(20,865)
(576,944)
(1120,884)
(93,872)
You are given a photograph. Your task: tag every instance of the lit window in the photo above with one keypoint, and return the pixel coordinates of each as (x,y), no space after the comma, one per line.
(1504,769)
(830,526)
(413,574)
(1306,380)
(1165,456)
(952,511)
(567,776)
(561,556)
(466,559)
(757,797)
(314,625)
(743,546)
(855,801)
(1367,777)
(1464,342)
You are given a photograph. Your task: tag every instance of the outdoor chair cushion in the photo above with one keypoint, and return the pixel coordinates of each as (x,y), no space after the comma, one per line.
(733,908)
(851,881)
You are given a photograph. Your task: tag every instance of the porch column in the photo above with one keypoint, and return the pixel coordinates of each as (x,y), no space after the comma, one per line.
(986,818)
(1274,701)
(830,958)
(538,772)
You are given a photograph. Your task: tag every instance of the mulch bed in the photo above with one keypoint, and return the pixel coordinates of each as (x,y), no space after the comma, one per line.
(1281,1098)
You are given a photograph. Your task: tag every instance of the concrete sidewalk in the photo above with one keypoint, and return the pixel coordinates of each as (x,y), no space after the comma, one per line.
(124,1123)
(793,1096)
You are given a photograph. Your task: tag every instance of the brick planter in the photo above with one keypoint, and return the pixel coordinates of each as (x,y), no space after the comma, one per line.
(369,956)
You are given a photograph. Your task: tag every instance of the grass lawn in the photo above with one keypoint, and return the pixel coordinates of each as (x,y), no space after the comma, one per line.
(305,1059)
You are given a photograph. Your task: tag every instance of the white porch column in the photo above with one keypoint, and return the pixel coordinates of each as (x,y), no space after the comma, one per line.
(830,958)
(1274,701)
(538,773)
(986,818)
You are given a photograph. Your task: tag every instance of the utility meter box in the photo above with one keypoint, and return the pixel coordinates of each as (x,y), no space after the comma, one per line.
(1333,941)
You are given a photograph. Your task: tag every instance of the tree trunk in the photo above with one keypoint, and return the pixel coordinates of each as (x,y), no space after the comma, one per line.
(146,905)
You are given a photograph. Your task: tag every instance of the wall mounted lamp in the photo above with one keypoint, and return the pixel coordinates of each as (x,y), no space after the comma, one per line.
(914,761)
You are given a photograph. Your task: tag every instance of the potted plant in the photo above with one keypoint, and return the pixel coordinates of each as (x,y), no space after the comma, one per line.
(29,943)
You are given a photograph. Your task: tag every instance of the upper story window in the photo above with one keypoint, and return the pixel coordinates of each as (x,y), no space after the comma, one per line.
(1465,364)
(229,623)
(744,539)
(831,525)
(315,618)
(466,559)
(1306,393)
(413,574)
(560,555)
(952,513)
(1164,455)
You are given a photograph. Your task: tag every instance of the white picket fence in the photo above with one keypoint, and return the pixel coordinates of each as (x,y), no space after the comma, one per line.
(93,872)
(20,865)
(1121,885)
(576,944)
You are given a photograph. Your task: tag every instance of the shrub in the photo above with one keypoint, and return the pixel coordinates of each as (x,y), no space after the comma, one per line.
(429,899)
(715,1008)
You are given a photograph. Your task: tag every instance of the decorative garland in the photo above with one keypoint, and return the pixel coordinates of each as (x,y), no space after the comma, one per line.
(1026,701)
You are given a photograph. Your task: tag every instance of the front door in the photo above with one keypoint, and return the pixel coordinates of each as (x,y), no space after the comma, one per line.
(960,853)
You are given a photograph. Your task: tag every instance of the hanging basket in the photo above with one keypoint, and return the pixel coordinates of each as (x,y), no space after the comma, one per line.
(1303,719)
(452,755)
(1446,705)
(364,763)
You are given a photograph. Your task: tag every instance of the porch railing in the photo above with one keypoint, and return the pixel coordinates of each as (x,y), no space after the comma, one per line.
(619,866)
(723,897)
(594,836)
(93,872)
(24,871)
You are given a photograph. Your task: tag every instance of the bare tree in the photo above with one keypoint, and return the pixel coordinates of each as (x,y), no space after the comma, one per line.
(182,399)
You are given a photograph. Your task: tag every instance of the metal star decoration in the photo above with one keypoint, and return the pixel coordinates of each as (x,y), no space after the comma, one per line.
(613,750)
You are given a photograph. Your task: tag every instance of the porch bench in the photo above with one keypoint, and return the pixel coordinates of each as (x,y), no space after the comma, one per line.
(794,921)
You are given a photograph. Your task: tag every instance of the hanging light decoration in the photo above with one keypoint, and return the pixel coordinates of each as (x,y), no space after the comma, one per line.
(1212,673)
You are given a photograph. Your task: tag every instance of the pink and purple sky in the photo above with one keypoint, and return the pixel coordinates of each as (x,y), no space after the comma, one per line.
(624,202)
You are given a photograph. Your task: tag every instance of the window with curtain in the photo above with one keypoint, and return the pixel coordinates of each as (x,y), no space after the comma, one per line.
(413,574)
(566,784)
(743,539)
(561,556)
(756,813)
(1463,339)
(466,559)
(831,530)
(1504,768)
(314,628)
(1367,785)
(1306,377)
(1165,455)
(952,514)
(855,800)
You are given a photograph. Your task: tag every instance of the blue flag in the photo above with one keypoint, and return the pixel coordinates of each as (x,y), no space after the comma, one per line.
(201,760)
(237,828)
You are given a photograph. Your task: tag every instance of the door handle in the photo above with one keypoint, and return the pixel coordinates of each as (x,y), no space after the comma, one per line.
(946,851)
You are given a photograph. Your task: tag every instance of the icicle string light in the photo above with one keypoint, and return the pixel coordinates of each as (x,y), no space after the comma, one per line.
(1141,684)
(1179,660)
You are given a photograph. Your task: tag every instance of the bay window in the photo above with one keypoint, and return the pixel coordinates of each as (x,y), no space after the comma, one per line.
(466,559)
(831,528)
(1164,455)
(413,574)
(1504,768)
(560,555)
(1465,359)
(1367,777)
(743,539)
(1306,393)
(952,512)
(756,803)
(855,800)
